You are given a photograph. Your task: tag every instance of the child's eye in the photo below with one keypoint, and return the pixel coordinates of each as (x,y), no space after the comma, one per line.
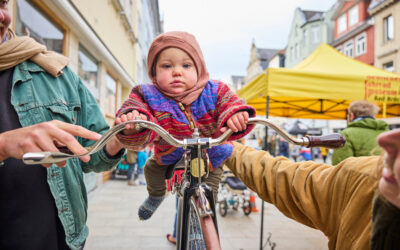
(4,2)
(186,66)
(166,66)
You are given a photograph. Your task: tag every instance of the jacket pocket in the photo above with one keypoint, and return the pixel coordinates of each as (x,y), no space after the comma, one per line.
(64,113)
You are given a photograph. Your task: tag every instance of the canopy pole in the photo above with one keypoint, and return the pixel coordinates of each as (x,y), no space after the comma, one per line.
(384,110)
(266,148)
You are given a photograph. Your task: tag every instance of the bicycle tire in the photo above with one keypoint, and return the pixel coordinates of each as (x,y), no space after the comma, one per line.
(202,231)
(247,207)
(210,233)
(223,208)
(195,231)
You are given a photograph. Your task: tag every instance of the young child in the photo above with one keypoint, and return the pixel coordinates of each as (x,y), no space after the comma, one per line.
(180,99)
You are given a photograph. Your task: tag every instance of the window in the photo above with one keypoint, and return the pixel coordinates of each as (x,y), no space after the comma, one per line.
(353,16)
(88,68)
(342,24)
(315,34)
(389,29)
(361,45)
(30,21)
(111,87)
(348,48)
(389,66)
(340,49)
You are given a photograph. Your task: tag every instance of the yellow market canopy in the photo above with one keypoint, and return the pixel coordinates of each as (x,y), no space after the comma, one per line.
(322,86)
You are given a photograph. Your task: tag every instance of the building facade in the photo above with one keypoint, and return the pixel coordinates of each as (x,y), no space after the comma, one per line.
(99,37)
(308,30)
(259,61)
(236,82)
(386,14)
(278,60)
(354,30)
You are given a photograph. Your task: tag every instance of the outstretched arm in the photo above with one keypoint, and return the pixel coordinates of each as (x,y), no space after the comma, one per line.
(44,136)
(317,195)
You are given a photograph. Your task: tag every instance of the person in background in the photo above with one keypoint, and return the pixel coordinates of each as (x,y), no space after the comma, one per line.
(324,153)
(361,132)
(339,200)
(44,106)
(283,148)
(176,176)
(295,152)
(306,153)
(131,159)
(141,161)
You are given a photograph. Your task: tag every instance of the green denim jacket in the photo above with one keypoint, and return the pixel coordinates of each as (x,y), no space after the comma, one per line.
(38,97)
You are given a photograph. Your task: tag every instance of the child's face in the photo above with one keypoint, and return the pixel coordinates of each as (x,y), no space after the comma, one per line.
(175,71)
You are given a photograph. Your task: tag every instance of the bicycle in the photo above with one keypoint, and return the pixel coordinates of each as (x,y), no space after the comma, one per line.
(197,223)
(233,194)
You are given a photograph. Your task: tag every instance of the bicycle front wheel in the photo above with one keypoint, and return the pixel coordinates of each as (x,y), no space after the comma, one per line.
(202,231)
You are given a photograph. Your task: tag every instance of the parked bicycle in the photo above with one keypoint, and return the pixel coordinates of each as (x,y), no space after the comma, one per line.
(233,194)
(197,223)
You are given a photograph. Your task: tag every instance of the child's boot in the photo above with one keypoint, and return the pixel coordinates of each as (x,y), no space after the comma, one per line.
(149,206)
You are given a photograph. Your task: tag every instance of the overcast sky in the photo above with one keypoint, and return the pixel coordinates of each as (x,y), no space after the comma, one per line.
(225,29)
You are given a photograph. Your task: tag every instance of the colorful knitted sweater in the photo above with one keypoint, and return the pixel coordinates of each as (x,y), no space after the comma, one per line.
(208,113)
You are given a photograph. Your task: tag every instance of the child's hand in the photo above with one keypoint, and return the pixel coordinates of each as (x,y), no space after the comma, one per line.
(130,128)
(237,122)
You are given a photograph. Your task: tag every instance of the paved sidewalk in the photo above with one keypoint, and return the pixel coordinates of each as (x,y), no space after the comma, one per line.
(114,224)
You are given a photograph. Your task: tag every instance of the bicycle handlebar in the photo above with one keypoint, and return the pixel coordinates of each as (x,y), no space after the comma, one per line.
(329,141)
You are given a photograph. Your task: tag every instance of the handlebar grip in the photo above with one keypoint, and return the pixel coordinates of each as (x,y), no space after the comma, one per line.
(328,141)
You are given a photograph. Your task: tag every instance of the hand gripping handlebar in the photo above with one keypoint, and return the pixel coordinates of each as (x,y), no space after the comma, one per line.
(328,141)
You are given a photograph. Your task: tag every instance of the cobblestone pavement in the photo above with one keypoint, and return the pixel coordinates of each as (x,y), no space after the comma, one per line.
(113,224)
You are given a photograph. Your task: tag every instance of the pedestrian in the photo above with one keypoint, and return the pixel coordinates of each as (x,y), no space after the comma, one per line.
(131,159)
(141,161)
(180,99)
(176,178)
(361,132)
(324,153)
(295,152)
(44,105)
(283,148)
(334,199)
(306,153)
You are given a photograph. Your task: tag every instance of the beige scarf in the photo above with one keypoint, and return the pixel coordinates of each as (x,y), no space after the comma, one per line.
(19,49)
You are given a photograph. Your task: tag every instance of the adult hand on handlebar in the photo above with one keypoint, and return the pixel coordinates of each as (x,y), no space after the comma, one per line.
(237,122)
(44,136)
(130,128)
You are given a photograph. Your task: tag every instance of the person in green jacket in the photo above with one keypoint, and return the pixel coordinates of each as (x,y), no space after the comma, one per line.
(361,132)
(44,105)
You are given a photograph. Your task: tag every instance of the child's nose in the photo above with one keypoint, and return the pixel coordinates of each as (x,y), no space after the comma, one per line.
(177,71)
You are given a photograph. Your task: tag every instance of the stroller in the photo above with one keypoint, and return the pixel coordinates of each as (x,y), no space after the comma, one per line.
(233,194)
